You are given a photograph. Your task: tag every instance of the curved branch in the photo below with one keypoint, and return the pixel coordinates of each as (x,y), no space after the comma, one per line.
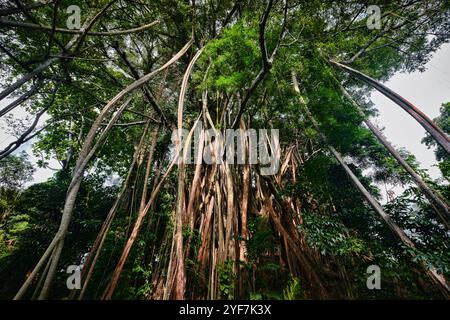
(439,204)
(145,89)
(24,137)
(26,25)
(180,272)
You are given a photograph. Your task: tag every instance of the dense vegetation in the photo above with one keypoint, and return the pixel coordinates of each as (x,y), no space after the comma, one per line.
(145,227)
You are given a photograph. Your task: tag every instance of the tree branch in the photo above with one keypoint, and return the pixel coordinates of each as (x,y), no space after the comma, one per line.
(24,97)
(267,62)
(26,25)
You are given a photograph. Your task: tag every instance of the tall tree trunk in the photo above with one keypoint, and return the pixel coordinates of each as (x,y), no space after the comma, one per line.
(137,227)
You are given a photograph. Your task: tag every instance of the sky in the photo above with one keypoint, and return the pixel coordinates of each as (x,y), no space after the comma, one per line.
(427,90)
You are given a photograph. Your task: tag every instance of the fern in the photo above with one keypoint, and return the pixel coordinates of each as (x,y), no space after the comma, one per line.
(292,290)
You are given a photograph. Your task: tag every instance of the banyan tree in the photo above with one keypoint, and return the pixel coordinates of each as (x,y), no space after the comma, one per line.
(219,150)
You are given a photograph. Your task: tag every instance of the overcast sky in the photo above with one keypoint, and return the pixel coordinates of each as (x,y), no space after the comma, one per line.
(427,90)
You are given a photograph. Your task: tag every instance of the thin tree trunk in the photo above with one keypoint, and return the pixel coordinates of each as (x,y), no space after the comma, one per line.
(38,267)
(244,207)
(148,168)
(180,282)
(137,227)
(98,243)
